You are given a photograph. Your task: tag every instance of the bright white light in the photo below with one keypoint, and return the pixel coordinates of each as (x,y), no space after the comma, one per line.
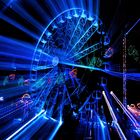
(83,16)
(103,92)
(62,21)
(21,128)
(54,27)
(43,41)
(76,15)
(55,131)
(48,34)
(1,98)
(90,19)
(95,24)
(55,61)
(68,17)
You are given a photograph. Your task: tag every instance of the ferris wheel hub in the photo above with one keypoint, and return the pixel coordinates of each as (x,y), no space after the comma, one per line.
(55,61)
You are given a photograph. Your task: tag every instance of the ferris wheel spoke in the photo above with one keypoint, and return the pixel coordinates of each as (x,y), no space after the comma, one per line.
(86,52)
(43,67)
(80,66)
(67,96)
(84,38)
(76,32)
(42,80)
(45,87)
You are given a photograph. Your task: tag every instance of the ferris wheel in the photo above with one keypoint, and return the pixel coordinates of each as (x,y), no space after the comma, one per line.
(67,43)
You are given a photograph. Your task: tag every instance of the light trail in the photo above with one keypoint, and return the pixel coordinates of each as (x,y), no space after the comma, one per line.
(129,115)
(25,125)
(115,121)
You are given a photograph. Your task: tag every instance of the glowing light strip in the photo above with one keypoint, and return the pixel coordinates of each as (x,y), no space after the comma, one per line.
(123,107)
(120,132)
(9,105)
(15,110)
(81,66)
(82,38)
(17,25)
(133,120)
(133,26)
(21,128)
(74,32)
(68,97)
(84,103)
(87,51)
(118,128)
(55,131)
(81,46)
(42,67)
